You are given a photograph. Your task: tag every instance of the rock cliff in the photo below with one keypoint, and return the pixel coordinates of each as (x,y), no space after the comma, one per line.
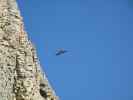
(21,77)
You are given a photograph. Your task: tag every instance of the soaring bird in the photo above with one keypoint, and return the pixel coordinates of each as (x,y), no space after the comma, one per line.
(60,52)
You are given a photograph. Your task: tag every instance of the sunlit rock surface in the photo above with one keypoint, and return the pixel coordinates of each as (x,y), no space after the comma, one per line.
(21,77)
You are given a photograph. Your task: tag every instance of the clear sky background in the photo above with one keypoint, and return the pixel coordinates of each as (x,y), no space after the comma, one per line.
(99,37)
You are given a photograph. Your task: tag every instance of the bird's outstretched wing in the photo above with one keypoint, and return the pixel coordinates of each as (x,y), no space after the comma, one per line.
(61,51)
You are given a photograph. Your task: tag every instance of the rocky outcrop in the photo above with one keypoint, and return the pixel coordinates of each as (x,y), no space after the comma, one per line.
(21,77)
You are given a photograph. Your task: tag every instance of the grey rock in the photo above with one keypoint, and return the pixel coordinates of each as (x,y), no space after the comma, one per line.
(21,77)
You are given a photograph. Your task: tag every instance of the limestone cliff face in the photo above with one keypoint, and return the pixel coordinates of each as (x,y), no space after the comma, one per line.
(21,77)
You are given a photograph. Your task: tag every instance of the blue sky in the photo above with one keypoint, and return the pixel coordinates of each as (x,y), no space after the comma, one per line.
(99,37)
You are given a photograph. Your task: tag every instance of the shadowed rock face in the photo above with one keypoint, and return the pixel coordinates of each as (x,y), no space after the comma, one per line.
(21,77)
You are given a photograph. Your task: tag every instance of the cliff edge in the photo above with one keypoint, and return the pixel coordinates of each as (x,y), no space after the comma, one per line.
(21,77)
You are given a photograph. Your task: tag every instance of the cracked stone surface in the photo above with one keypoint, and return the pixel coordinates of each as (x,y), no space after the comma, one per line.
(21,77)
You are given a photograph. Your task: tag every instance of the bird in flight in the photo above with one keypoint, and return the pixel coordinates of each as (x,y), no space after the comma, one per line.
(60,52)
